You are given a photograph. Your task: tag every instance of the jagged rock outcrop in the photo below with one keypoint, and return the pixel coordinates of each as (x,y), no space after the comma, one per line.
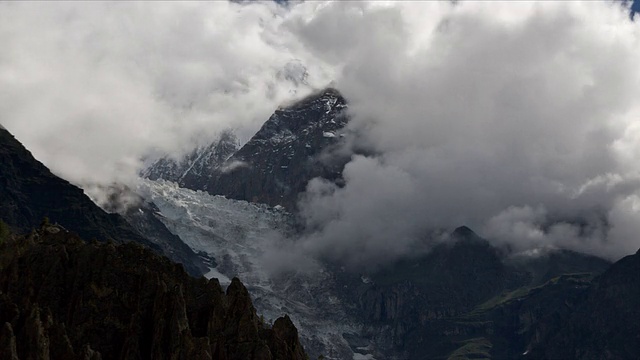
(464,300)
(61,298)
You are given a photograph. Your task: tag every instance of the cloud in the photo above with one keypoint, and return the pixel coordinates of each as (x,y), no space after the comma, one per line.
(517,119)
(91,88)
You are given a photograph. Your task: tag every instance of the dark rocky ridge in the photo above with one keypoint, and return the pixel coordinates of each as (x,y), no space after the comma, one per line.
(278,162)
(61,298)
(29,192)
(605,323)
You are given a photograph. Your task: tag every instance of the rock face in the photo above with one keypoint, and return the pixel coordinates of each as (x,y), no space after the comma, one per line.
(294,146)
(196,165)
(29,192)
(61,298)
(464,301)
(288,151)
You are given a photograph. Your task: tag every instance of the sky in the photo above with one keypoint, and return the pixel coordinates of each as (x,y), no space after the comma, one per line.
(518,119)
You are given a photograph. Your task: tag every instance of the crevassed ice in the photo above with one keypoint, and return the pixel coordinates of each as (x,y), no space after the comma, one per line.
(237,234)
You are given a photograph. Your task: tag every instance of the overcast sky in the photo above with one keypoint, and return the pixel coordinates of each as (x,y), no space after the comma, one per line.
(518,119)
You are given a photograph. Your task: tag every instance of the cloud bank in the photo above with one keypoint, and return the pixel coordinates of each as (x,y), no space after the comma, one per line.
(518,119)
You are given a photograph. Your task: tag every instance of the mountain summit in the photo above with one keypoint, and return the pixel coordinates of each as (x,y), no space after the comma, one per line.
(293,146)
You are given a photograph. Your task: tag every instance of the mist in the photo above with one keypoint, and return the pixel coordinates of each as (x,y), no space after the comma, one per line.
(93,88)
(517,119)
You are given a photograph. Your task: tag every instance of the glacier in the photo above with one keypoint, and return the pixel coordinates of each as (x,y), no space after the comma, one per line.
(238,235)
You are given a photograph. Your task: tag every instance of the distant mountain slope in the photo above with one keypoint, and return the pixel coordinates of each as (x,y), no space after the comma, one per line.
(278,162)
(61,298)
(292,147)
(443,304)
(29,192)
(606,325)
(195,165)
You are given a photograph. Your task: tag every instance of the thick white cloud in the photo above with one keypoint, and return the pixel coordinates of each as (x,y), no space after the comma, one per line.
(90,88)
(518,119)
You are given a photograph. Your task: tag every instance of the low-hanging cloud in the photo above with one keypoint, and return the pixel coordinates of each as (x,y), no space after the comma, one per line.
(91,88)
(517,119)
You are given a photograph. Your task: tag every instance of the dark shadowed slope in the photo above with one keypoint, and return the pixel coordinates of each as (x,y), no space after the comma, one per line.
(61,298)
(29,192)
(293,146)
(607,324)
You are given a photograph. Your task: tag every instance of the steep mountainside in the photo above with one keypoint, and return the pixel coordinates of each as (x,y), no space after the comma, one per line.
(278,162)
(606,324)
(29,192)
(431,306)
(61,298)
(196,165)
(238,236)
(292,147)
(464,297)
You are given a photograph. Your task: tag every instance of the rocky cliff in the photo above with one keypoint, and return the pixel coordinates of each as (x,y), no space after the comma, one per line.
(29,192)
(467,299)
(293,146)
(61,298)
(197,164)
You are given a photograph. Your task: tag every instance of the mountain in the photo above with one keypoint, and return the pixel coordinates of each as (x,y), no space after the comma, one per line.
(464,296)
(61,298)
(464,299)
(280,159)
(606,323)
(436,305)
(144,218)
(195,165)
(29,192)
(293,146)
(239,235)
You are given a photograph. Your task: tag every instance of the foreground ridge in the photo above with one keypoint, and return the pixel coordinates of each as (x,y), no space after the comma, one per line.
(61,298)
